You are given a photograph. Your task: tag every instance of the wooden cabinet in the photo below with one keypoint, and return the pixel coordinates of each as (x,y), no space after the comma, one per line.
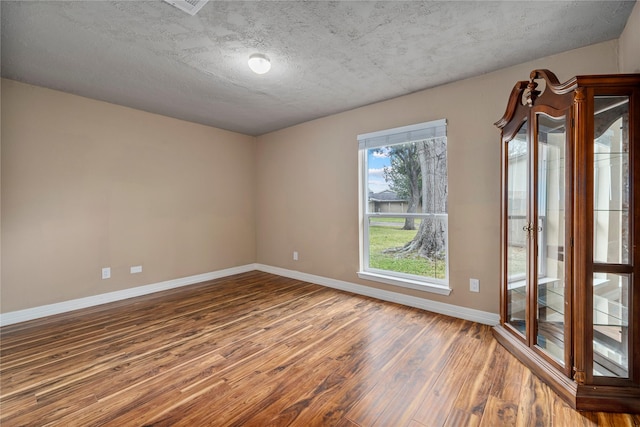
(570,257)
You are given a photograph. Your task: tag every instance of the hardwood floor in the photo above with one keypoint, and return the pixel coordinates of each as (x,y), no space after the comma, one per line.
(262,350)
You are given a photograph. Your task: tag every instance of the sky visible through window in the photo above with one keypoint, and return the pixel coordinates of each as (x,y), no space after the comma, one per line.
(377,160)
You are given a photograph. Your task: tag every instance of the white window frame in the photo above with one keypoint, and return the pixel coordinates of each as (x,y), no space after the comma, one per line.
(396,136)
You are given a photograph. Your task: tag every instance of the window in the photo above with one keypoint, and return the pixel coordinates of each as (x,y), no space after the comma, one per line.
(404,206)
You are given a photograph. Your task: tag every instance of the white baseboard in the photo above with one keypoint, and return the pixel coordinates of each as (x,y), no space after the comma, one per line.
(411,301)
(471,314)
(76,304)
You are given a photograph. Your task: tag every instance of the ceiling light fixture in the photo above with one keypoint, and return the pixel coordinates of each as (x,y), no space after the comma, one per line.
(259,63)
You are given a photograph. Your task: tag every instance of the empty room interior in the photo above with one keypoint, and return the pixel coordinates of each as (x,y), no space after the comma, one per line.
(349,236)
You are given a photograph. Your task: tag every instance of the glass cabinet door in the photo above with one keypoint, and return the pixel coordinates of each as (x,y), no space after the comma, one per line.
(611,236)
(517,182)
(550,236)
(535,241)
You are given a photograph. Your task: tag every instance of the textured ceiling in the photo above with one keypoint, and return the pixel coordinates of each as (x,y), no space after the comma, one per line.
(327,56)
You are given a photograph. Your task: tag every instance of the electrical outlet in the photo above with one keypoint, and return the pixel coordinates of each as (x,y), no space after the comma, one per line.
(136,269)
(295,255)
(474,285)
(106,273)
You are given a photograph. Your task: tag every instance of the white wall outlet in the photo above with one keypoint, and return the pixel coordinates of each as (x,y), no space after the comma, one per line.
(106,273)
(295,255)
(136,269)
(474,285)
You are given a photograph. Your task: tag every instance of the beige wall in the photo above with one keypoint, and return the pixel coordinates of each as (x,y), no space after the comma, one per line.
(630,43)
(86,184)
(307,178)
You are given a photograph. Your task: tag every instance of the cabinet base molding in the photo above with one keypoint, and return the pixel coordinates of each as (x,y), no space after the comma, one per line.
(581,397)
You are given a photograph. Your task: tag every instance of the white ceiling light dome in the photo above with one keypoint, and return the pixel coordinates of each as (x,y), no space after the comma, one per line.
(259,63)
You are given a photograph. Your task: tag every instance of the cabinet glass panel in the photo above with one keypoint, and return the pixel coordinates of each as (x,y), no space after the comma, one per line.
(611,180)
(517,185)
(551,142)
(611,325)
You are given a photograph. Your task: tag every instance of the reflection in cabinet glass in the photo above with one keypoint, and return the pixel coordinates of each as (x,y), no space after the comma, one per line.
(611,236)
(570,306)
(517,185)
(551,137)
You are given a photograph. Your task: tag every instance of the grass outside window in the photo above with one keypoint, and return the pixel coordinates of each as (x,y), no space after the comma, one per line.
(386,234)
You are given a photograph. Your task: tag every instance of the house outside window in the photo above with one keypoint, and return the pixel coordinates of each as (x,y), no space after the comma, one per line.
(387,201)
(404,204)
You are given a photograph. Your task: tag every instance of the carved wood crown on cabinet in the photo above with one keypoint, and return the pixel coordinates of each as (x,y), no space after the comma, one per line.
(570,228)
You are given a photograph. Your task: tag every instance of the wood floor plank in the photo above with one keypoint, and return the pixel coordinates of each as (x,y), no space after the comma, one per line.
(499,413)
(77,344)
(536,403)
(441,399)
(507,378)
(253,365)
(563,415)
(256,349)
(457,418)
(395,392)
(196,377)
(299,406)
(475,391)
(106,364)
(361,375)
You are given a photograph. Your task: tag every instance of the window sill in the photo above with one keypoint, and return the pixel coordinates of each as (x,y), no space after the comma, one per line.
(405,283)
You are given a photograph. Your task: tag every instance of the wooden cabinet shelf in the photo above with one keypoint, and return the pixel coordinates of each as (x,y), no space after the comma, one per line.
(570,297)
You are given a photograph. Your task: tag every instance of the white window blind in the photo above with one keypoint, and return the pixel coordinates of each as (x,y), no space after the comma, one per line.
(404,134)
